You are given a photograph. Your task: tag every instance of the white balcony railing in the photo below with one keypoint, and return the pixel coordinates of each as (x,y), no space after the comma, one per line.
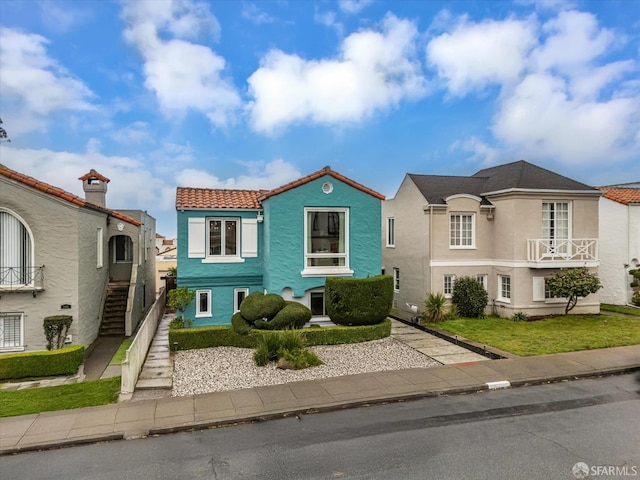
(574,250)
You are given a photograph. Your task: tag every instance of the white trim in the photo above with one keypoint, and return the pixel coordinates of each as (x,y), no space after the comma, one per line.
(100,248)
(326,272)
(512,264)
(542,190)
(473,231)
(200,313)
(222,258)
(196,233)
(227,259)
(453,284)
(236,307)
(13,348)
(249,236)
(396,279)
(463,195)
(501,297)
(310,271)
(484,280)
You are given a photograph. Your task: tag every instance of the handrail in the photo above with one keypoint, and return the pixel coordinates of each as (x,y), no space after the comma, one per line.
(22,278)
(549,250)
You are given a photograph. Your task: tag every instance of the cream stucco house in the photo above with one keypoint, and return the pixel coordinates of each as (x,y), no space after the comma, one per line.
(508,226)
(620,241)
(62,254)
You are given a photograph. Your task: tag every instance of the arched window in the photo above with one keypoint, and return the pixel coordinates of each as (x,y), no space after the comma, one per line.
(16,262)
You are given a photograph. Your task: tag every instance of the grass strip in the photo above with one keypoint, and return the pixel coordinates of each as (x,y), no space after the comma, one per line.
(620,309)
(121,353)
(61,397)
(551,335)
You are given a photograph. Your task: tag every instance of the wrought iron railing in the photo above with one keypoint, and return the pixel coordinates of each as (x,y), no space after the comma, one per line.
(577,249)
(22,278)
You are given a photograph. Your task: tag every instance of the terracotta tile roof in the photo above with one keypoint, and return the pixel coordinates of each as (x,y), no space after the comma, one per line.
(621,195)
(217,198)
(93,174)
(63,194)
(320,174)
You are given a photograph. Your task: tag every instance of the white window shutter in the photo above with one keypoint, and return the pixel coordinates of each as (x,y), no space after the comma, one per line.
(196,240)
(249,237)
(538,289)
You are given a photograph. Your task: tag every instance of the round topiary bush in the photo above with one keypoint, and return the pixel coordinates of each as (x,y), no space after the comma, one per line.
(239,324)
(469,297)
(293,315)
(359,301)
(257,306)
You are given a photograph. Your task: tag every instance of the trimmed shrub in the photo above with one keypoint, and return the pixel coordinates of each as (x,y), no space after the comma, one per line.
(179,322)
(359,301)
(636,298)
(293,315)
(257,306)
(469,297)
(239,324)
(64,361)
(225,336)
(56,328)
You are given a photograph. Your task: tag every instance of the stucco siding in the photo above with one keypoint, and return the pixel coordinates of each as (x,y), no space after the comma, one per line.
(54,226)
(614,252)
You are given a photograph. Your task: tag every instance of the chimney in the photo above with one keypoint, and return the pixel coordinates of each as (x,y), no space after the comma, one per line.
(95,187)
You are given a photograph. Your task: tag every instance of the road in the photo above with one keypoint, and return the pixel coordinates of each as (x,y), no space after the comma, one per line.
(535,432)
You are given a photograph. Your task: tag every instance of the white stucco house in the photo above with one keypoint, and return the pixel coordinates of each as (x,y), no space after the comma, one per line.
(619,241)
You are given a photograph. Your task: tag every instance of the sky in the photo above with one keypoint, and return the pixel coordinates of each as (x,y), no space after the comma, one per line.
(254,94)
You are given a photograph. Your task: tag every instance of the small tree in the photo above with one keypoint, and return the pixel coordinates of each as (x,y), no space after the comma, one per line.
(56,328)
(469,297)
(573,283)
(180,298)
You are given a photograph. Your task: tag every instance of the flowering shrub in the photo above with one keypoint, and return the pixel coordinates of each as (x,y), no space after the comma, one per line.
(573,283)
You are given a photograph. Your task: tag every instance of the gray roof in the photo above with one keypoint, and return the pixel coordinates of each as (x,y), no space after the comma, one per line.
(516,175)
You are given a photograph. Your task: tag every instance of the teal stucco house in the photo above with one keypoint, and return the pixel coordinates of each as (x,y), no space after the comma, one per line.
(287,241)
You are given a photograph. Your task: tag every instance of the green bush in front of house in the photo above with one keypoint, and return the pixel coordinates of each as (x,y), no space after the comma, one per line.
(469,297)
(258,306)
(359,301)
(64,361)
(225,336)
(293,315)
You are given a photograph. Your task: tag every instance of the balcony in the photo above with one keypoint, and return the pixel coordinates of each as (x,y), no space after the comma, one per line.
(576,252)
(22,279)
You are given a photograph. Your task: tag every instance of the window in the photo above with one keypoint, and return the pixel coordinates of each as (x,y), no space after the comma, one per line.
(391,232)
(482,278)
(11,330)
(99,248)
(317,304)
(16,253)
(448,282)
(326,241)
(223,237)
(555,226)
(124,249)
(504,288)
(461,233)
(203,303)
(396,279)
(239,294)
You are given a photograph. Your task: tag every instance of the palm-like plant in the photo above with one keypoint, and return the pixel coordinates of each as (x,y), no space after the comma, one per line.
(434,306)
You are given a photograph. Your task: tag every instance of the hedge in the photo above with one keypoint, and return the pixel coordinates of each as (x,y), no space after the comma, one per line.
(359,301)
(64,361)
(224,336)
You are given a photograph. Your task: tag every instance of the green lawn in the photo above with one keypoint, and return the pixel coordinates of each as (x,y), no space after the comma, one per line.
(620,309)
(120,355)
(62,397)
(552,335)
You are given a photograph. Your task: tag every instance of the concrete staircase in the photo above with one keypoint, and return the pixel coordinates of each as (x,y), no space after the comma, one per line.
(115,307)
(157,371)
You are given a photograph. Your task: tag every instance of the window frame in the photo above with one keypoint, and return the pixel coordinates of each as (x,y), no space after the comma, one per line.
(20,318)
(483,278)
(452,239)
(550,231)
(236,291)
(325,270)
(391,232)
(324,313)
(501,288)
(203,313)
(100,248)
(448,278)
(223,238)
(396,279)
(27,257)
(128,248)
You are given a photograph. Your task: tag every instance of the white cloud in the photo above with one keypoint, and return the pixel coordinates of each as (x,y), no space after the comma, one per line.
(183,75)
(33,83)
(474,55)
(374,72)
(137,132)
(558,100)
(260,175)
(252,13)
(61,17)
(354,6)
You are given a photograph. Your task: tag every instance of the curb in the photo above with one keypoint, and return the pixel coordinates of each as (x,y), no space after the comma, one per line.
(54,445)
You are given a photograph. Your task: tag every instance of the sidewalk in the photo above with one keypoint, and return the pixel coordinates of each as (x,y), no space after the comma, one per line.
(165,415)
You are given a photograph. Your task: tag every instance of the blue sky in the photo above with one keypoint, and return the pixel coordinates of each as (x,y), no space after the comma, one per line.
(233,94)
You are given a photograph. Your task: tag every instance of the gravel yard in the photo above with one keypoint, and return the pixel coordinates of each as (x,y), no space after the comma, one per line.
(229,368)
